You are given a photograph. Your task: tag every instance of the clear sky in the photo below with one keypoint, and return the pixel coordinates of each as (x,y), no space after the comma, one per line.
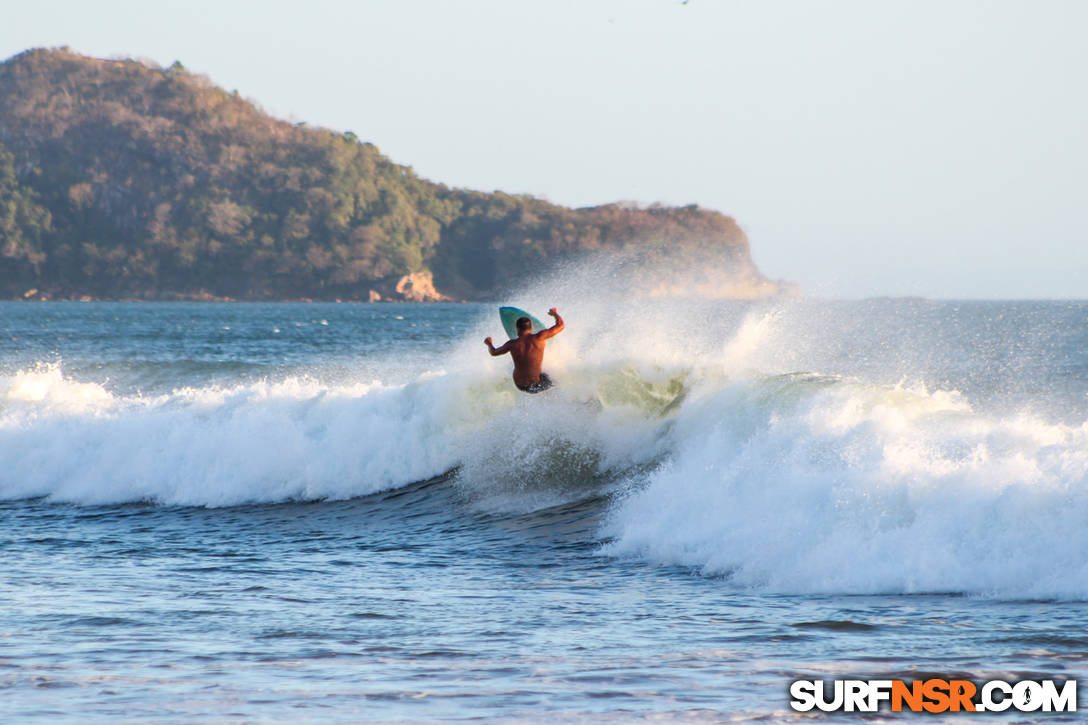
(920,147)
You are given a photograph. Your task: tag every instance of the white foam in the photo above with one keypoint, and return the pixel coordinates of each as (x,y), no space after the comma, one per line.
(295,439)
(814,485)
(301,439)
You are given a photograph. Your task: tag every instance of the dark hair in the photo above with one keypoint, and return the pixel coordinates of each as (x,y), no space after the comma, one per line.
(524,323)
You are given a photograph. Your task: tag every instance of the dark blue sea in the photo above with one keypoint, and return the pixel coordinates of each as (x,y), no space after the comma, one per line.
(347,513)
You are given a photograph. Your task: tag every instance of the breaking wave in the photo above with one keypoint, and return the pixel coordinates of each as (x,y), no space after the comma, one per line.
(708,450)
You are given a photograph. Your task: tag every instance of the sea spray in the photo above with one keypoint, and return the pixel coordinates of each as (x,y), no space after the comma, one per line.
(868,447)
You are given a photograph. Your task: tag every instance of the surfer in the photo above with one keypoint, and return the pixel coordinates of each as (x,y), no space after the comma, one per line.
(527,349)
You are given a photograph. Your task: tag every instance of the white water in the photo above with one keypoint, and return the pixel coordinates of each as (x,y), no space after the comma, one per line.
(806,485)
(264,442)
(778,480)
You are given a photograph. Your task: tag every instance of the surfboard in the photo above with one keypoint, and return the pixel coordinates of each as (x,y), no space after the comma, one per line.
(509,317)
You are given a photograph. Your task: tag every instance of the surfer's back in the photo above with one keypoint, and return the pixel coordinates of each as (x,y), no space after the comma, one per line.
(528,353)
(527,350)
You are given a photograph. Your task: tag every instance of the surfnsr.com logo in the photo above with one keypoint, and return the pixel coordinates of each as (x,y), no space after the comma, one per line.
(933,695)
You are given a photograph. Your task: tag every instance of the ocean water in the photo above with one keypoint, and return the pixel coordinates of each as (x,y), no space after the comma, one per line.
(345,513)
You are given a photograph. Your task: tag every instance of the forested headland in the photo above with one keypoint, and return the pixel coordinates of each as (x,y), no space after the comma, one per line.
(123,180)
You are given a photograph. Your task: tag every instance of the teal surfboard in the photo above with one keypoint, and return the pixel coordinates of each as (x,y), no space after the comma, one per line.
(509,317)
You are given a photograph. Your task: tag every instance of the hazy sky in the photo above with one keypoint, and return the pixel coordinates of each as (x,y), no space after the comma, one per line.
(867,148)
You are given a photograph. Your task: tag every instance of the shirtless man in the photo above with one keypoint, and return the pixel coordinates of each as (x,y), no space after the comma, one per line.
(527,349)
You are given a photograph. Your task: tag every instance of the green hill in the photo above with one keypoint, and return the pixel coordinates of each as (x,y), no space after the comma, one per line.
(121,180)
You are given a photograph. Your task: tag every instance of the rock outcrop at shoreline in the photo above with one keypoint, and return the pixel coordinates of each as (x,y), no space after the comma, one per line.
(123,180)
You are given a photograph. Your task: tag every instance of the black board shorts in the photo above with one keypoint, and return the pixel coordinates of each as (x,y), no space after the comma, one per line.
(539,386)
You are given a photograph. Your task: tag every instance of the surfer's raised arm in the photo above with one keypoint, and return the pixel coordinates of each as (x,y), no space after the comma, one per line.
(496,351)
(554,329)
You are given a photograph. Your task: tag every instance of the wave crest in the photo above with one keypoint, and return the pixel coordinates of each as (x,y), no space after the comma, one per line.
(808,484)
(214,446)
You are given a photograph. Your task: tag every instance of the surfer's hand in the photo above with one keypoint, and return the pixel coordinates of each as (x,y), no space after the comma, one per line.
(487,341)
(553,312)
